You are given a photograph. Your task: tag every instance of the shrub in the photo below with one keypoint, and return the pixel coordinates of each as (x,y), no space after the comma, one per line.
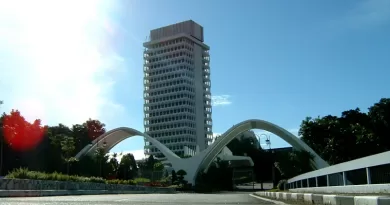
(23,173)
(118,181)
(20,173)
(165,180)
(181,172)
(156,184)
(174,186)
(96,180)
(282,184)
(141,180)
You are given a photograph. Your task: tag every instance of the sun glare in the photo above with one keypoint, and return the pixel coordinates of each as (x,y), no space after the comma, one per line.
(61,42)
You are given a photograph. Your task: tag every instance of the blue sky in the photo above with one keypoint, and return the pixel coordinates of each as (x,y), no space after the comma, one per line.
(279,61)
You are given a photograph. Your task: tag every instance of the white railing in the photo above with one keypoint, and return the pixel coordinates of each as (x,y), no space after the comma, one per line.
(374,169)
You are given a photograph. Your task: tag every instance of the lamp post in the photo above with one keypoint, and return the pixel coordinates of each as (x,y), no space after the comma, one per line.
(267,140)
(268,143)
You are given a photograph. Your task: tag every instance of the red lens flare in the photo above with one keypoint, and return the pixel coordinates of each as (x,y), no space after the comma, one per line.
(21,135)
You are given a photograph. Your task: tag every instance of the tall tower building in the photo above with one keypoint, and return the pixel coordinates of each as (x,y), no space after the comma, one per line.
(177,97)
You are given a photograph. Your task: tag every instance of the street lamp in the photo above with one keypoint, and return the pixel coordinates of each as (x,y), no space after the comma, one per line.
(268,144)
(267,140)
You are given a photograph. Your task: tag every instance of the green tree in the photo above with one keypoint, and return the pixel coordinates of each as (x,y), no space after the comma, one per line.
(174,177)
(294,163)
(81,136)
(55,137)
(21,142)
(113,166)
(42,148)
(363,133)
(241,146)
(150,163)
(27,145)
(101,158)
(68,148)
(158,166)
(180,175)
(142,165)
(379,115)
(127,167)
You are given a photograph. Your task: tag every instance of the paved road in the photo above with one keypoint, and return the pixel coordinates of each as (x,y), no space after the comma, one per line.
(141,199)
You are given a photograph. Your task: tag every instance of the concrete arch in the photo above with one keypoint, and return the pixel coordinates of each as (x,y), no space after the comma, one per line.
(115,136)
(230,134)
(203,159)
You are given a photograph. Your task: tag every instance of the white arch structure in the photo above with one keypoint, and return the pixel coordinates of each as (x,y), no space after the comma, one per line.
(203,159)
(115,136)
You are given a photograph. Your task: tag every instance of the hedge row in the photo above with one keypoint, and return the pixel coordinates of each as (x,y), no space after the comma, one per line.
(23,173)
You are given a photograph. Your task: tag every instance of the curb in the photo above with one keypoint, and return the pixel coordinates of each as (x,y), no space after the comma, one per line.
(268,200)
(325,199)
(38,193)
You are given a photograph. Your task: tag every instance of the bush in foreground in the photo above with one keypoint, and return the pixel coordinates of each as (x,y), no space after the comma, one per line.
(23,173)
(118,181)
(141,180)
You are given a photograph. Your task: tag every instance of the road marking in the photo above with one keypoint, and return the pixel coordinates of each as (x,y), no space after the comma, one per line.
(122,200)
(269,200)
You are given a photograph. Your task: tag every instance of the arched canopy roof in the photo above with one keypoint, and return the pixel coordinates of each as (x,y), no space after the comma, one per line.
(230,134)
(115,136)
(202,160)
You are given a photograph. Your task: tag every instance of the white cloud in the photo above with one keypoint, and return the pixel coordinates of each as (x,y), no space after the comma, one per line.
(214,137)
(56,61)
(138,154)
(216,134)
(218,100)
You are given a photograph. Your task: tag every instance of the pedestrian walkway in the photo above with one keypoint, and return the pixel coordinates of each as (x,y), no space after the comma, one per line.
(326,199)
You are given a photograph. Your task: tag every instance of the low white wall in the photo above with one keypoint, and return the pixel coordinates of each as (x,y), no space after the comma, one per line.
(357,189)
(370,161)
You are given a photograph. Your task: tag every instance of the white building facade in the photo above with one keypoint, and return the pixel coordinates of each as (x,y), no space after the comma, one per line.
(177,97)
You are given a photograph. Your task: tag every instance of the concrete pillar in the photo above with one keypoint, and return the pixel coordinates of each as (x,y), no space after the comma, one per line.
(344,179)
(316,182)
(368,172)
(327,180)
